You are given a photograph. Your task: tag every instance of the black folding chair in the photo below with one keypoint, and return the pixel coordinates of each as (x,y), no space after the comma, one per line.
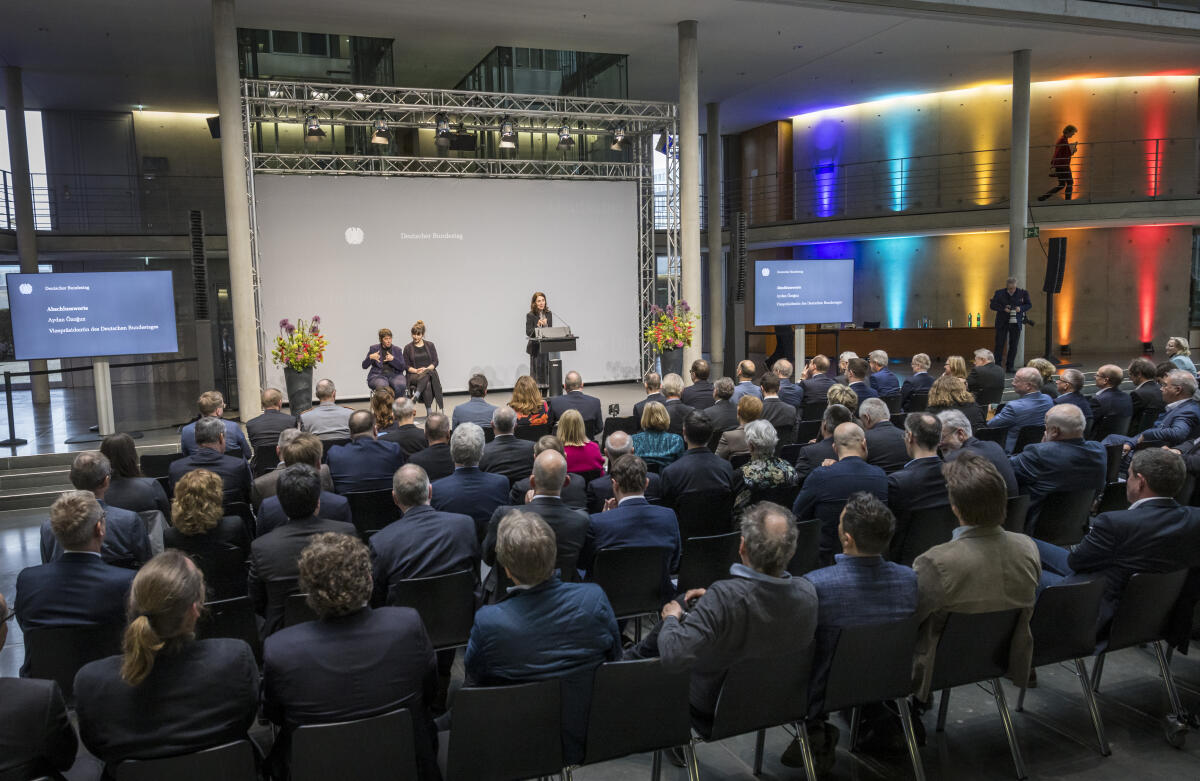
(990,396)
(488,433)
(265,459)
(1144,422)
(57,653)
(1113,498)
(230,762)
(999,434)
(231,618)
(446,604)
(632,579)
(329,444)
(373,748)
(1064,629)
(614,424)
(783,495)
(157,464)
(705,560)
(786,436)
(813,410)
(224,571)
(807,430)
(897,419)
(372,510)
(791,453)
(504,732)
(1112,463)
(704,513)
(533,433)
(808,548)
(926,528)
(739,460)
(1108,426)
(918,401)
(1028,435)
(1016,512)
(296,610)
(974,648)
(246,513)
(893,403)
(1063,517)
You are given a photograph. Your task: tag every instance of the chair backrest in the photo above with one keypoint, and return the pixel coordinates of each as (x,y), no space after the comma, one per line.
(157,464)
(224,569)
(807,430)
(990,396)
(265,459)
(926,528)
(488,433)
(329,444)
(533,433)
(808,548)
(783,495)
(246,513)
(637,706)
(704,513)
(791,453)
(1113,498)
(505,732)
(632,578)
(1064,621)
(705,560)
(860,674)
(296,610)
(973,647)
(376,747)
(739,460)
(999,434)
(715,440)
(231,618)
(446,604)
(1016,513)
(893,403)
(372,510)
(762,692)
(897,418)
(230,762)
(813,410)
(165,483)
(1144,422)
(786,436)
(1028,435)
(614,424)
(918,401)
(1110,425)
(1063,517)
(1112,462)
(1145,608)
(57,653)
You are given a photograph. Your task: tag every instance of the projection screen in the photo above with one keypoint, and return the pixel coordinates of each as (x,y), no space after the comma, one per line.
(464,256)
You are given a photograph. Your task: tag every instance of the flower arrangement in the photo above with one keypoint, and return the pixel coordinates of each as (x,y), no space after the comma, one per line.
(671,328)
(299,346)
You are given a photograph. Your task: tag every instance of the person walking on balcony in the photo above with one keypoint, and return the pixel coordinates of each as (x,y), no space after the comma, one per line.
(1060,164)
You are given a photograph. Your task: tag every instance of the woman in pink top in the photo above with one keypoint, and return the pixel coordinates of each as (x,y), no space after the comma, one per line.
(582,454)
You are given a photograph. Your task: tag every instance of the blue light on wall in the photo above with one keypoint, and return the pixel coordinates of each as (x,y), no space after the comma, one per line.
(826,152)
(895,258)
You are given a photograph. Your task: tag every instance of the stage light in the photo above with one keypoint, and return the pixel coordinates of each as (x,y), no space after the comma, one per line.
(360,96)
(319,95)
(1064,349)
(381,135)
(441,130)
(312,128)
(618,137)
(564,137)
(665,142)
(508,134)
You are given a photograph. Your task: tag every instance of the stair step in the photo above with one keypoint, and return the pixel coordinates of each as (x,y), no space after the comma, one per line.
(34,478)
(31,498)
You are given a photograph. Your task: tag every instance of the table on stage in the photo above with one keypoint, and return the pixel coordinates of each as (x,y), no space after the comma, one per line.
(938,343)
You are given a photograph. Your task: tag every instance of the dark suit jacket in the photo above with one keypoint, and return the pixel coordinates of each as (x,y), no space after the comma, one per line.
(531,318)
(574,492)
(635,523)
(276,556)
(423,543)
(587,406)
(36,737)
(569,525)
(918,383)
(812,456)
(1064,465)
(364,464)
(918,486)
(409,437)
(698,395)
(264,486)
(1174,426)
(125,544)
(791,393)
(864,391)
(832,485)
(816,388)
(641,405)
(1079,400)
(271,516)
(678,411)
(885,383)
(973,411)
(435,460)
(885,447)
(200,694)
(1146,396)
(722,415)
(234,472)
(1111,403)
(266,428)
(994,453)
(508,456)
(600,490)
(986,382)
(698,469)
(137,494)
(205,549)
(76,589)
(779,414)
(473,492)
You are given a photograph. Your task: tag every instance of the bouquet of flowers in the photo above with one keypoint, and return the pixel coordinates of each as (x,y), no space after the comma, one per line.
(671,328)
(299,346)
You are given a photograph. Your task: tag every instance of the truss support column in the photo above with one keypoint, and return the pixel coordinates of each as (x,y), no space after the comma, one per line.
(689,179)
(237,213)
(1018,177)
(716,262)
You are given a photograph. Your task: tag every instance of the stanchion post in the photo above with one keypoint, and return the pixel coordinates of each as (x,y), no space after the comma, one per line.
(12,440)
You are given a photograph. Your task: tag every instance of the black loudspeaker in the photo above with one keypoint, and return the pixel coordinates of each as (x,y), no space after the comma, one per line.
(214,126)
(1056,265)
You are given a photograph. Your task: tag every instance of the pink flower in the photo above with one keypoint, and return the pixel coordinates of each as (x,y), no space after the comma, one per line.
(283,323)
(316,318)
(291,329)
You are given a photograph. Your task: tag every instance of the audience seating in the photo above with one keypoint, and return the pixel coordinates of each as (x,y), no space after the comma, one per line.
(1064,629)
(991,396)
(1112,463)
(974,648)
(488,433)
(157,464)
(446,604)
(57,653)
(813,410)
(1113,498)
(786,436)
(246,513)
(533,433)
(265,459)
(1146,421)
(224,572)
(278,591)
(715,439)
(1108,426)
(504,732)
(231,618)
(739,460)
(613,424)
(329,444)
(806,430)
(791,453)
(230,762)
(704,513)
(1063,519)
(379,747)
(632,578)
(808,543)
(926,528)
(999,435)
(893,403)
(897,418)
(1028,435)
(372,510)
(296,610)
(165,483)
(783,495)
(918,401)
(706,560)
(1016,513)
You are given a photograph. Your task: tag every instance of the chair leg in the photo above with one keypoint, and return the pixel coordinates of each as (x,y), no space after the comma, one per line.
(1021,700)
(943,708)
(810,768)
(637,629)
(910,737)
(1006,718)
(1176,724)
(1097,671)
(689,756)
(759,741)
(855,723)
(1090,698)
(656,766)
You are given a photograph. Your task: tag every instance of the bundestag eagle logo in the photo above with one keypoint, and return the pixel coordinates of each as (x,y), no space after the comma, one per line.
(25,288)
(354,235)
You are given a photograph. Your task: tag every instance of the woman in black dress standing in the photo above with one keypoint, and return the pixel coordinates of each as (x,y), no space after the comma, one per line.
(538,316)
(422,360)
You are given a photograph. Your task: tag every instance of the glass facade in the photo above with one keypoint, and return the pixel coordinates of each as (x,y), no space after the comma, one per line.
(550,72)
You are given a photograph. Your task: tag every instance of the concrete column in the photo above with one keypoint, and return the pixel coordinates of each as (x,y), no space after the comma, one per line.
(1018,177)
(689,178)
(18,155)
(237,215)
(715,304)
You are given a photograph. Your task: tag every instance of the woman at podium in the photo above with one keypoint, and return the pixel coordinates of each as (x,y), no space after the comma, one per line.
(538,316)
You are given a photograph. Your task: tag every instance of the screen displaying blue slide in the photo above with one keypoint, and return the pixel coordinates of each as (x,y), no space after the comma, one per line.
(799,292)
(85,315)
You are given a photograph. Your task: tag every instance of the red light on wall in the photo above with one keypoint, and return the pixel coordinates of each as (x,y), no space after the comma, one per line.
(1146,243)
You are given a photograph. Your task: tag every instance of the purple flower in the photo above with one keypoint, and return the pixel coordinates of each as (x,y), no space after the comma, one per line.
(313,330)
(283,323)
(291,329)
(684,306)
(316,318)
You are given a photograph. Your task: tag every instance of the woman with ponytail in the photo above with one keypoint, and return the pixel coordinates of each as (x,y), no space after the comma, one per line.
(167,693)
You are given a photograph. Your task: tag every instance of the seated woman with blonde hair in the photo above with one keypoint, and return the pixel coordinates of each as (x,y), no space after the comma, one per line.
(201,529)
(531,408)
(844,395)
(956,366)
(583,455)
(654,443)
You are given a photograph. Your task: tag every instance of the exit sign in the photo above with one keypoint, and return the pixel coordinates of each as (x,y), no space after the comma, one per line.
(1033,233)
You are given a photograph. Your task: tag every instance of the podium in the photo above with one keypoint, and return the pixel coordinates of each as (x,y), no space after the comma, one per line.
(554,339)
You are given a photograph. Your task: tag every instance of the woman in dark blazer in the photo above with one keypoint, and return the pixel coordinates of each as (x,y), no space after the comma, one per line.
(218,543)
(422,359)
(382,370)
(538,316)
(129,490)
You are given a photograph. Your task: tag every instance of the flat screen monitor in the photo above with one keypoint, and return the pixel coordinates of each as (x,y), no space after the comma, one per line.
(799,292)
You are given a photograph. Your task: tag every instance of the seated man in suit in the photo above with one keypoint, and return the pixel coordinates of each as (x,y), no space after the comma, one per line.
(699,395)
(475,409)
(263,486)
(1062,461)
(78,588)
(600,490)
(698,469)
(776,411)
(857,372)
(920,381)
(986,378)
(126,543)
(36,736)
(1028,409)
(723,413)
(1180,421)
(212,405)
(406,434)
(303,449)
(210,454)
(789,392)
(1146,394)
(328,420)
(919,485)
(574,398)
(885,442)
(265,429)
(1109,403)
(274,557)
(469,490)
(816,453)
(958,438)
(352,662)
(629,521)
(745,383)
(1155,534)
(652,382)
(545,629)
(569,525)
(672,388)
(364,463)
(815,381)
(435,459)
(983,569)
(1070,391)
(506,454)
(828,487)
(574,491)
(882,380)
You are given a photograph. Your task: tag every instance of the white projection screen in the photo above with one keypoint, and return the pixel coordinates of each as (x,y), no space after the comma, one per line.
(464,255)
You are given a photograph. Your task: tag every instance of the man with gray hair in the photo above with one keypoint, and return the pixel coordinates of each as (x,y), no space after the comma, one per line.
(723,412)
(885,442)
(406,434)
(986,379)
(126,542)
(1062,461)
(506,454)
(882,380)
(574,398)
(436,460)
(600,490)
(1070,391)
(672,388)
(919,382)
(469,490)
(210,454)
(789,392)
(1028,409)
(328,420)
(843,362)
(1010,303)
(958,438)
(1180,421)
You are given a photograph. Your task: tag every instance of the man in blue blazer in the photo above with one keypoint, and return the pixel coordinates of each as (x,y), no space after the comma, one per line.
(745,383)
(958,438)
(1028,409)
(474,409)
(789,392)
(126,543)
(469,490)
(882,380)
(1062,461)
(1070,391)
(920,381)
(364,463)
(574,398)
(211,442)
(1109,402)
(920,484)
(1155,534)
(212,405)
(1178,423)
(629,521)
(857,372)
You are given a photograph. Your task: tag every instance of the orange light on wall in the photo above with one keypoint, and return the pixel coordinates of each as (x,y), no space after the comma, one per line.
(1145,243)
